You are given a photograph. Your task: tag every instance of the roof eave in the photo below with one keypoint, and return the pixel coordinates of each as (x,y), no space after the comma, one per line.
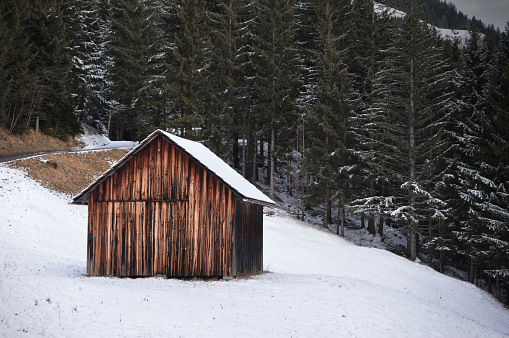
(262,203)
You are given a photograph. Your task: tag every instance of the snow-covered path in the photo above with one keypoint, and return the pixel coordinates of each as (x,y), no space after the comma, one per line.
(316,285)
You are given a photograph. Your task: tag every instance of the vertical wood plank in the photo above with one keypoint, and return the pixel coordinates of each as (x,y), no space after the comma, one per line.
(165,163)
(90,247)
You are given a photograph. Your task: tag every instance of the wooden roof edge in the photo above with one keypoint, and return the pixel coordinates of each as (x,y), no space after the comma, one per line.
(83,196)
(262,203)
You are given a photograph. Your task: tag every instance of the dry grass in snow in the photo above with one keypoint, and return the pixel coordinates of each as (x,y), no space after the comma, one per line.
(68,173)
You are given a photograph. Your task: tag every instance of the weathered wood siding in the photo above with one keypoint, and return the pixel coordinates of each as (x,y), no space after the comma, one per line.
(248,242)
(158,172)
(162,213)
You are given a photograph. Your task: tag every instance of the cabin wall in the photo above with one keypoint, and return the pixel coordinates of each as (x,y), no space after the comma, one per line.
(248,241)
(162,213)
(134,238)
(158,172)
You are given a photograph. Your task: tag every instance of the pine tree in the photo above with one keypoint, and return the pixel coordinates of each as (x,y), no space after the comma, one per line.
(483,170)
(327,156)
(411,105)
(305,34)
(185,66)
(88,38)
(245,75)
(275,89)
(130,49)
(468,180)
(19,93)
(50,43)
(368,37)
(227,29)
(440,237)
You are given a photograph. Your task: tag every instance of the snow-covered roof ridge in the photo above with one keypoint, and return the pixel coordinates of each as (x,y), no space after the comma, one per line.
(202,155)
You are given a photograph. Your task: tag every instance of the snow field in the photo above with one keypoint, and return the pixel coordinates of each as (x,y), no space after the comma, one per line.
(316,285)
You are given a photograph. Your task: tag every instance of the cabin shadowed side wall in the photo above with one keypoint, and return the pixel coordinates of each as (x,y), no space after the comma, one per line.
(248,242)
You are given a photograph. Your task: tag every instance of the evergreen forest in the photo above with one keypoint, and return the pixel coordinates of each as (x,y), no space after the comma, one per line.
(358,111)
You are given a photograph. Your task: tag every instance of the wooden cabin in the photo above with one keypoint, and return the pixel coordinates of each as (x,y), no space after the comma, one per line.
(172,207)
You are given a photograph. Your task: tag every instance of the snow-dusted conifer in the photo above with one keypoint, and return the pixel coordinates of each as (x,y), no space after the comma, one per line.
(227,23)
(19,92)
(130,49)
(327,157)
(411,102)
(482,171)
(185,66)
(275,89)
(369,39)
(50,40)
(88,38)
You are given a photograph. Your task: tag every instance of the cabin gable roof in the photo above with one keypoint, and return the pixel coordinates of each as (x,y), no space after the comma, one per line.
(200,154)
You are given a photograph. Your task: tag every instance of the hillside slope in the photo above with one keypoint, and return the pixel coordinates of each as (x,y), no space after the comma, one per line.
(31,142)
(316,284)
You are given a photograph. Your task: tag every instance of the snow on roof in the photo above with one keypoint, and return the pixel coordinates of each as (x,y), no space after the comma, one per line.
(200,154)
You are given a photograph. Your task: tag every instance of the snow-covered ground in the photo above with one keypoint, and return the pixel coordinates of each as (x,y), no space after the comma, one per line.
(463,35)
(316,285)
(94,140)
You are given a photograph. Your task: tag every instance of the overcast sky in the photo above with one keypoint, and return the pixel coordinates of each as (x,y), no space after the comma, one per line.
(488,11)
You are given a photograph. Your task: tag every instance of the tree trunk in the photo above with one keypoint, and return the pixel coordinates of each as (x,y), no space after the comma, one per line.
(413,244)
(255,161)
(442,261)
(381,220)
(362,221)
(308,179)
(339,219)
(381,226)
(290,177)
(371,218)
(261,154)
(371,224)
(109,124)
(244,164)
(269,156)
(326,201)
(412,150)
(329,210)
(272,163)
(343,222)
(507,293)
(470,270)
(235,150)
(251,148)
(499,289)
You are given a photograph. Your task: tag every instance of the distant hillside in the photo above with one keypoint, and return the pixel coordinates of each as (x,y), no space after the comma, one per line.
(444,14)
